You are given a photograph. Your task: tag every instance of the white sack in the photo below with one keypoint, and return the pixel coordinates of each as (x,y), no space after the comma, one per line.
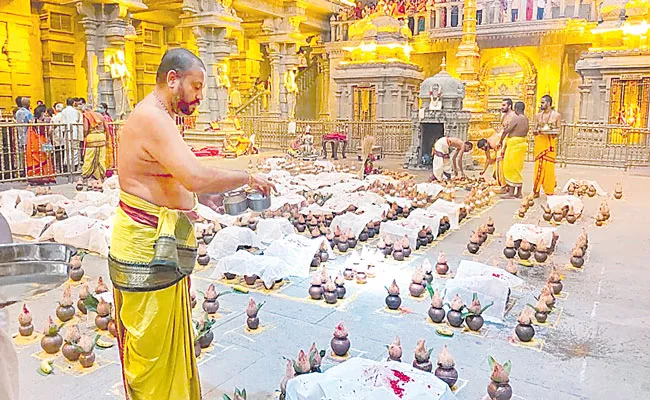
(363,379)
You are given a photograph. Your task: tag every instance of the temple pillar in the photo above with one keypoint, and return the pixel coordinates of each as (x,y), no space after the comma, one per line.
(274,60)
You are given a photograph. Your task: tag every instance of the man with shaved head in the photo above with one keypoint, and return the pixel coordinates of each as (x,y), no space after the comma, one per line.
(153,248)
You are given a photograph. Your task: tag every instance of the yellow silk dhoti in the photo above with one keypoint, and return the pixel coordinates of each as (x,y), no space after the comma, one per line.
(545,152)
(95,156)
(513,160)
(238,144)
(498,167)
(153,250)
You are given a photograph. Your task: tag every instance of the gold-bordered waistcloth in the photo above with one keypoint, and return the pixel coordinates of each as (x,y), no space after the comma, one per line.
(152,247)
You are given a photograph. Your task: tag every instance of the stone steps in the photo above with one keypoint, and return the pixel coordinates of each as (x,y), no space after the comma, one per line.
(199,139)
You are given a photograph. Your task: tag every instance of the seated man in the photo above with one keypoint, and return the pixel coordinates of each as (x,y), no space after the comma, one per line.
(237,144)
(443,162)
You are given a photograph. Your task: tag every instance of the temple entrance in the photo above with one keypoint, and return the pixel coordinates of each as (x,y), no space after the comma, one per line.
(628,106)
(364,103)
(430,133)
(511,75)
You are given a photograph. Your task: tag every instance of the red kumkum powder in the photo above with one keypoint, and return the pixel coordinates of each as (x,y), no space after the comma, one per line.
(396,384)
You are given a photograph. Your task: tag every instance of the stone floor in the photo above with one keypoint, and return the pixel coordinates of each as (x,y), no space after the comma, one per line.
(595,347)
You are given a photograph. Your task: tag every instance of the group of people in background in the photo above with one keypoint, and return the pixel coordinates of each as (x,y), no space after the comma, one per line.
(53,140)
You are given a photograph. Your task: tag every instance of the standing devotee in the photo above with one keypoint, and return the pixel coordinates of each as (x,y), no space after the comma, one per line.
(23,116)
(38,152)
(153,248)
(444,162)
(516,146)
(546,127)
(58,138)
(74,142)
(95,130)
(111,143)
(506,119)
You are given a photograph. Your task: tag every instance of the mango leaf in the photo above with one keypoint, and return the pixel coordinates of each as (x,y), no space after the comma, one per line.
(258,309)
(491,362)
(429,289)
(91,303)
(486,307)
(507,366)
(226,397)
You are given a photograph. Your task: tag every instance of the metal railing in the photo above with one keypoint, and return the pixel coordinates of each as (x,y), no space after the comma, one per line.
(272,134)
(255,105)
(56,151)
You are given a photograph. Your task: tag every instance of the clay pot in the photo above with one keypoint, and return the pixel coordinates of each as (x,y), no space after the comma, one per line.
(499,391)
(340,347)
(447,375)
(455,318)
(301,227)
(482,238)
(81,306)
(541,317)
(330,297)
(547,216)
(429,237)
(229,275)
(363,236)
(207,238)
(571,218)
(206,339)
(197,349)
(340,291)
(525,333)
(509,252)
(203,260)
(51,344)
(522,214)
(211,306)
(423,241)
(253,323)
(398,255)
(474,322)
(416,289)
(65,313)
(393,302)
(523,254)
(556,287)
(406,251)
(428,277)
(41,208)
(371,233)
(315,262)
(112,328)
(591,192)
(618,195)
(26,330)
(540,256)
(87,359)
(76,274)
(70,352)
(437,315)
(343,246)
(102,322)
(577,262)
(472,247)
(442,268)
(348,274)
(423,366)
(316,292)
(250,279)
(79,187)
(324,256)
(352,243)
(557,216)
(490,229)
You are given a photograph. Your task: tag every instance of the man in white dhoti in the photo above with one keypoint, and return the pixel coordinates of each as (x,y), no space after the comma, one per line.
(443,161)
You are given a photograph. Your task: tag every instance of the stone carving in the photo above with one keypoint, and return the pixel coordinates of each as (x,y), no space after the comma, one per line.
(292,91)
(223,89)
(121,78)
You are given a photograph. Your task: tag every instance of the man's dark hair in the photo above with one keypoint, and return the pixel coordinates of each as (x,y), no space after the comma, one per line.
(104,105)
(70,101)
(520,107)
(19,101)
(470,145)
(548,99)
(508,102)
(180,60)
(482,144)
(50,111)
(81,99)
(39,111)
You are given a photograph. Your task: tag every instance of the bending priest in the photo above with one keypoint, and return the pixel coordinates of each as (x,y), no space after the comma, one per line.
(444,162)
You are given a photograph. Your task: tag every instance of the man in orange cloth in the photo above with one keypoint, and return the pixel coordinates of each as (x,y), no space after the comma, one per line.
(153,247)
(546,127)
(95,131)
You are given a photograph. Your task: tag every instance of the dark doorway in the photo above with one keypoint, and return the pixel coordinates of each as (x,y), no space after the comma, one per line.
(430,133)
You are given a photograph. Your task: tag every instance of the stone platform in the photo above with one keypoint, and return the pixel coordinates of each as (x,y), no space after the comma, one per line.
(592,349)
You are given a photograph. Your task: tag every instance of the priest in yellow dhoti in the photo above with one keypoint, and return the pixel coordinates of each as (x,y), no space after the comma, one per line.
(95,130)
(514,155)
(153,248)
(546,127)
(237,144)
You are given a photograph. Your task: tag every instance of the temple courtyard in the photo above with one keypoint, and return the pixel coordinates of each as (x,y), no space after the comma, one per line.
(592,346)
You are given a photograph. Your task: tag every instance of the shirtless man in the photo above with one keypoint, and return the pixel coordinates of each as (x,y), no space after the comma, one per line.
(443,162)
(506,118)
(516,146)
(491,148)
(153,248)
(546,128)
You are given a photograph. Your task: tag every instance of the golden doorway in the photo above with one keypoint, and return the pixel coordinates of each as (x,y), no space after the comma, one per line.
(364,103)
(628,106)
(510,75)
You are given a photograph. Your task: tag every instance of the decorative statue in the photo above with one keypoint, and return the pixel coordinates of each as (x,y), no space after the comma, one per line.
(121,78)
(292,91)
(223,89)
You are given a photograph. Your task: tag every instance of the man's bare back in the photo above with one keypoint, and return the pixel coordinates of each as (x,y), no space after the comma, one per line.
(140,173)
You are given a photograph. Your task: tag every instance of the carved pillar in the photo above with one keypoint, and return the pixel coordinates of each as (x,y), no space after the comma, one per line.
(324,88)
(274,60)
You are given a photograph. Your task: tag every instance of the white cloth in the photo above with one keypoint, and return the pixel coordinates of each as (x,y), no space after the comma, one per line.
(447,207)
(242,263)
(532,233)
(427,219)
(81,232)
(352,221)
(71,115)
(489,283)
(430,189)
(400,228)
(599,190)
(561,201)
(364,379)
(441,165)
(227,240)
(269,230)
(297,251)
